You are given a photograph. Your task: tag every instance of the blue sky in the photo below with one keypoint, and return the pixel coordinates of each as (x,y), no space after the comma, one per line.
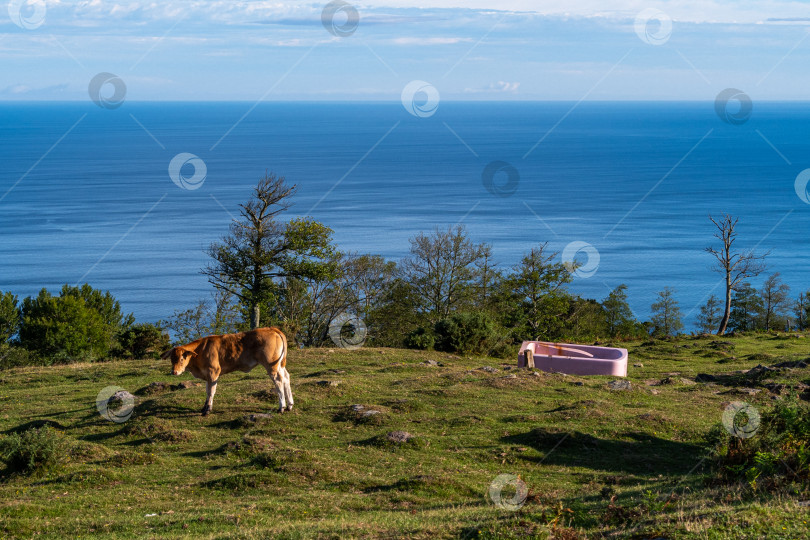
(468,50)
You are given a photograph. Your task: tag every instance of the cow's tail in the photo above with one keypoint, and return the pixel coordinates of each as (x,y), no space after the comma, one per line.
(283,358)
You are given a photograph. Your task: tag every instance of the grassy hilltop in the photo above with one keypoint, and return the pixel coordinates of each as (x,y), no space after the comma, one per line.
(597,462)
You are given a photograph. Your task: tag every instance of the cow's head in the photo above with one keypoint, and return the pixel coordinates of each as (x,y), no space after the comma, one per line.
(180,357)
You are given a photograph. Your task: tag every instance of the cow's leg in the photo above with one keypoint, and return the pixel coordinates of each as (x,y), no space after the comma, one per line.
(211,388)
(287,389)
(278,380)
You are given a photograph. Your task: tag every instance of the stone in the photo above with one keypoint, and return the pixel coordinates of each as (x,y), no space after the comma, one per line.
(431,363)
(399,437)
(638,365)
(121,396)
(332,384)
(620,384)
(258,416)
(758,371)
(511,376)
(489,369)
(182,385)
(536,374)
(579,383)
(705,378)
(369,412)
(358,408)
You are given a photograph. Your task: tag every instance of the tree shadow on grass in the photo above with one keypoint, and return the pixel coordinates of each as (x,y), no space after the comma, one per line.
(632,453)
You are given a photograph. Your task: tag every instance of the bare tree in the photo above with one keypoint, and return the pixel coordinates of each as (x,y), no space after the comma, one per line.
(259,249)
(775,298)
(441,269)
(735,266)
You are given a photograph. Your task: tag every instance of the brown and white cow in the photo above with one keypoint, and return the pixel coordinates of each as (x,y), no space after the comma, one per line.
(211,357)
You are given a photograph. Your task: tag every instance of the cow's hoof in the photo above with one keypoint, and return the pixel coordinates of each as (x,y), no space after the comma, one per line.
(280,410)
(206,410)
(289,407)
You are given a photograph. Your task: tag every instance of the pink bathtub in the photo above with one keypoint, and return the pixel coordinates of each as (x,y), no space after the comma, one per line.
(575,359)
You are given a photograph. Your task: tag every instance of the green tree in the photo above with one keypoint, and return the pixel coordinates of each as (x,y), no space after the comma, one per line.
(441,270)
(775,297)
(536,294)
(259,250)
(709,316)
(64,327)
(9,316)
(801,310)
(618,315)
(395,316)
(586,319)
(746,309)
(666,315)
(102,303)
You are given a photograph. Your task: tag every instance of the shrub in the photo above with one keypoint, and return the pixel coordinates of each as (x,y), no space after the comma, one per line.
(466,333)
(63,327)
(33,451)
(11,357)
(9,316)
(420,339)
(143,341)
(779,451)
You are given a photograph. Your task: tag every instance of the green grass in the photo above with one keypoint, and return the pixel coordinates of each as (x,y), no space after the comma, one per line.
(597,463)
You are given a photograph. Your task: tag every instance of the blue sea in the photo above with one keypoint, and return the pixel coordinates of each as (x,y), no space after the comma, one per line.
(87,196)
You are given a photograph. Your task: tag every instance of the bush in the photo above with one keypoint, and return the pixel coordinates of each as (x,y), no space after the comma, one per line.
(9,316)
(33,451)
(11,357)
(143,341)
(779,451)
(420,339)
(65,328)
(466,333)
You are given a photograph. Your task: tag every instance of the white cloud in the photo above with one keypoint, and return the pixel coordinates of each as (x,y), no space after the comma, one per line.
(430,40)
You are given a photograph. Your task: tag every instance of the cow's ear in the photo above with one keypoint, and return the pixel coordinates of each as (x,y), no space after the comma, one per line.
(166,355)
(190,352)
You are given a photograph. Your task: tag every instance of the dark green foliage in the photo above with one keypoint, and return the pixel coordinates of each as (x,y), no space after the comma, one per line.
(9,316)
(31,452)
(619,319)
(708,319)
(394,317)
(260,250)
(64,327)
(420,339)
(587,320)
(778,452)
(13,356)
(534,300)
(466,333)
(666,315)
(746,309)
(102,303)
(143,340)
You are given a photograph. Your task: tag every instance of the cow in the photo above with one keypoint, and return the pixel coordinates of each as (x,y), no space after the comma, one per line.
(211,357)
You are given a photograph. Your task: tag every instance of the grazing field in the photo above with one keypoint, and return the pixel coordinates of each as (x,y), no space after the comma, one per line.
(597,462)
